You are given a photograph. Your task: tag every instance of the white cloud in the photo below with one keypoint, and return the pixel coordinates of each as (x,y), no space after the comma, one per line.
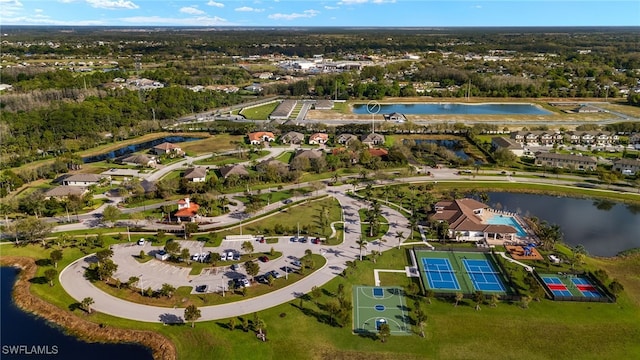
(215,4)
(191,10)
(38,10)
(477,6)
(293,16)
(112,4)
(9,8)
(332,7)
(67,1)
(44,20)
(191,21)
(248,9)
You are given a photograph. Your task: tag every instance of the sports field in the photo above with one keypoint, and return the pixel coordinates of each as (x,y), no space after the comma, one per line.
(569,285)
(456,271)
(373,306)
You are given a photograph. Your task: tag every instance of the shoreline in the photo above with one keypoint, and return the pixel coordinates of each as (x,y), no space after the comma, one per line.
(160,346)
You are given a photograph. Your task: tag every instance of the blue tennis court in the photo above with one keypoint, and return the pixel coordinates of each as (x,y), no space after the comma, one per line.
(483,276)
(440,274)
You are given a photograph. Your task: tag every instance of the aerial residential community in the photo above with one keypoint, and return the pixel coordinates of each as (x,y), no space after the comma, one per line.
(319,193)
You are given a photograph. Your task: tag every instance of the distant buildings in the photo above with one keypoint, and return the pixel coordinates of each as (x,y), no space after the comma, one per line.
(575,162)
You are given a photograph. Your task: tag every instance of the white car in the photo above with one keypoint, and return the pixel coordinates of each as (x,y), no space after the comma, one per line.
(141,242)
(195,257)
(223,256)
(230,255)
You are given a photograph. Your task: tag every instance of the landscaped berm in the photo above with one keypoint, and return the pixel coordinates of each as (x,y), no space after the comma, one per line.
(457,271)
(374,306)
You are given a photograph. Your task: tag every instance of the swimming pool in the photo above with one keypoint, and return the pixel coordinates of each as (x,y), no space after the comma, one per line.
(507,220)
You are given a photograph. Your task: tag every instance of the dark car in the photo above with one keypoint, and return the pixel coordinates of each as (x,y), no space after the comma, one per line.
(263,259)
(202,288)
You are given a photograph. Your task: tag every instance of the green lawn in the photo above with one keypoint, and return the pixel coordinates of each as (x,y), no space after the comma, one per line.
(546,329)
(260,112)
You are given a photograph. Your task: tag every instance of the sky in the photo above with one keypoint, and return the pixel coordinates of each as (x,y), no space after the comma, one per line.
(361,13)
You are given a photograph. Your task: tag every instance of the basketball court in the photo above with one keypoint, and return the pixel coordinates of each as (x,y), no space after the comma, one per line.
(377,305)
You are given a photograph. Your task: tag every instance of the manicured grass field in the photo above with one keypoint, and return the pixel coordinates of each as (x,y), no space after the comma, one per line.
(260,112)
(546,329)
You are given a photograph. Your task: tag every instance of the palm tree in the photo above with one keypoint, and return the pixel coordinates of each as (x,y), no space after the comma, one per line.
(362,243)
(192,313)
(459,296)
(86,304)
(478,298)
(400,237)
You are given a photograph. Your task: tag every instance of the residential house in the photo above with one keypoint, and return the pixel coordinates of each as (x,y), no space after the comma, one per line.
(318,139)
(467,219)
(378,152)
(196,174)
(323,105)
(167,148)
(256,138)
(500,142)
(627,166)
(309,154)
(82,180)
(598,138)
(566,161)
(254,88)
(64,191)
(345,139)
(635,140)
(237,169)
(372,139)
(292,137)
(138,160)
(395,116)
(187,210)
(537,137)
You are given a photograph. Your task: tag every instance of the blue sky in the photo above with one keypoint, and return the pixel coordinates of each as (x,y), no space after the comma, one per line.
(395,13)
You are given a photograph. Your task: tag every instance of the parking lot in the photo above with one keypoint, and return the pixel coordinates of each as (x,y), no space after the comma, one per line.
(154,272)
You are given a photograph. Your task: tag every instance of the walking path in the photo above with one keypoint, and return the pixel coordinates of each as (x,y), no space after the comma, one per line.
(525,266)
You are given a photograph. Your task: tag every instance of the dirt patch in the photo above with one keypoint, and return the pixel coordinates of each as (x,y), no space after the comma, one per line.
(161,347)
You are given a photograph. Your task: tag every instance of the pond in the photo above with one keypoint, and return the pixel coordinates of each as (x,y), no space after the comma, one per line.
(453,145)
(23,329)
(605,228)
(455,109)
(130,149)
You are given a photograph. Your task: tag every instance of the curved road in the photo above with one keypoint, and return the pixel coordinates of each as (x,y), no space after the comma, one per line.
(72,277)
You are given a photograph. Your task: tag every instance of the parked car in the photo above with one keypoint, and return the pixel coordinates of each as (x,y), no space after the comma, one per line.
(287,201)
(230,255)
(202,288)
(274,273)
(294,239)
(223,256)
(141,242)
(236,256)
(263,258)
(195,257)
(296,263)
(234,267)
(303,239)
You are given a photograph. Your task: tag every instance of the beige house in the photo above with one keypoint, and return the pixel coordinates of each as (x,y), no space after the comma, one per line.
(372,139)
(166,148)
(568,161)
(627,166)
(196,174)
(318,139)
(292,137)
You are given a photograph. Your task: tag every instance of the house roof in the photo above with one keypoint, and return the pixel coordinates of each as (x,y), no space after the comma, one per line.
(167,146)
(228,170)
(505,143)
(190,211)
(195,173)
(137,159)
(371,137)
(343,138)
(64,190)
(258,136)
(627,161)
(567,157)
(378,152)
(310,154)
(293,135)
(318,136)
(460,215)
(83,178)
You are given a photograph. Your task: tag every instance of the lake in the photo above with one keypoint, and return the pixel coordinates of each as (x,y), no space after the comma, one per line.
(455,109)
(453,145)
(130,149)
(605,228)
(21,328)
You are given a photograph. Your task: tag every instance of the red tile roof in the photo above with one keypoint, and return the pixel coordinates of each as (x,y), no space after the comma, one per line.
(191,211)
